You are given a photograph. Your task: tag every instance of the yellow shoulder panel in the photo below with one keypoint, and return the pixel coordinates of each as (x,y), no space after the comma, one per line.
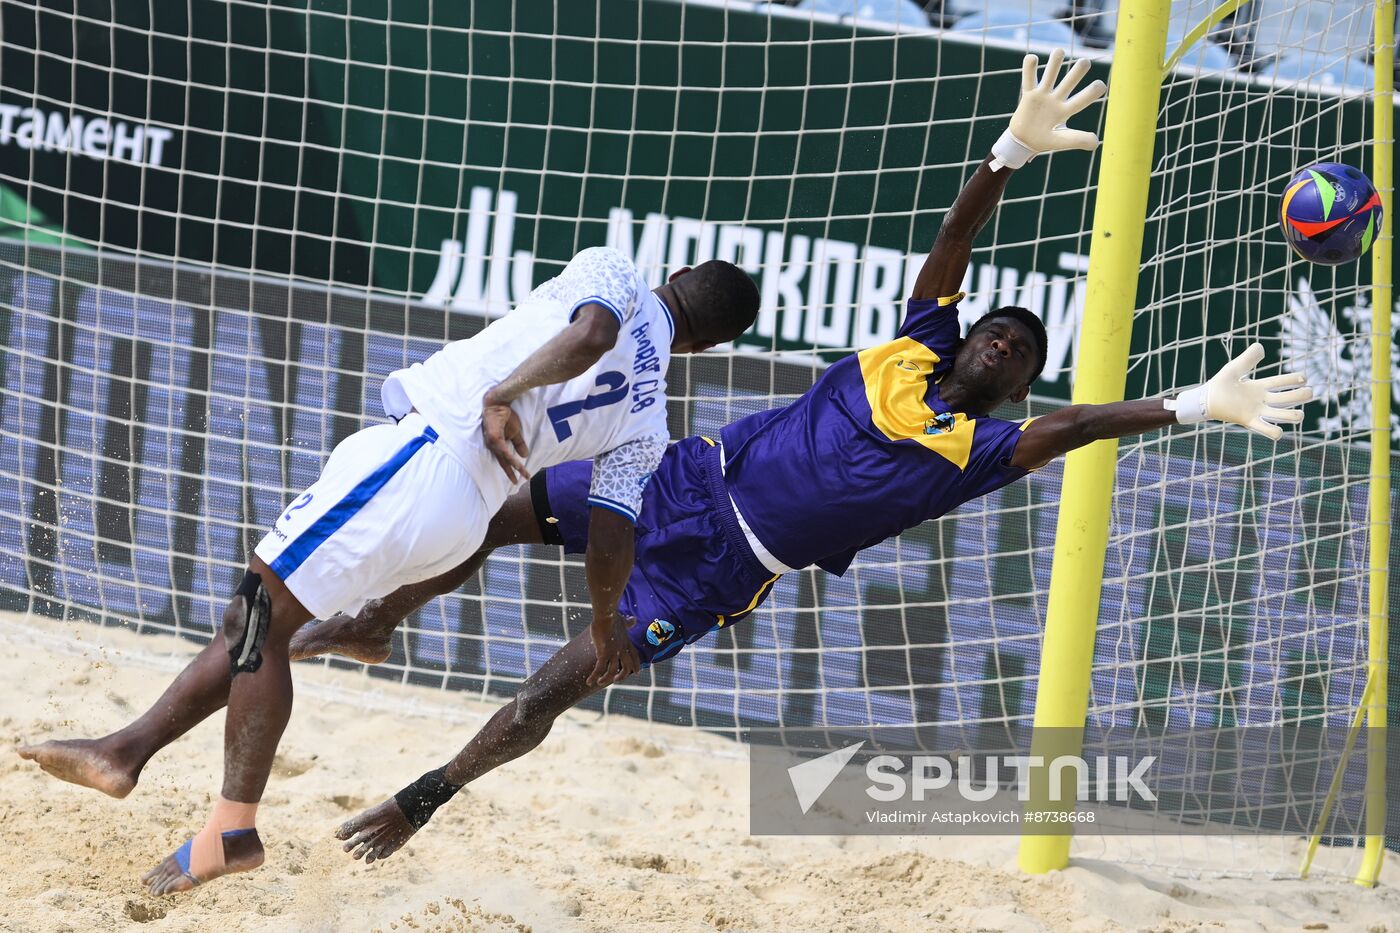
(896,379)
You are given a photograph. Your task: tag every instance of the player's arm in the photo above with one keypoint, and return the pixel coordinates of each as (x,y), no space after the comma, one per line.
(608,564)
(946,265)
(1036,127)
(1230,396)
(615,495)
(567,354)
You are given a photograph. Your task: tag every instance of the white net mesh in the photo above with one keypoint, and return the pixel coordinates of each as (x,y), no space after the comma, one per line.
(224,224)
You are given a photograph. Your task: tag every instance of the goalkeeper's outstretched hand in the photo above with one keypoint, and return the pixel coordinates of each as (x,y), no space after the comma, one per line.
(1038,125)
(1231,395)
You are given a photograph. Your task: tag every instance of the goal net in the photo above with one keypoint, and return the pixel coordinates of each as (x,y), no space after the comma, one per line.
(1235,585)
(223,224)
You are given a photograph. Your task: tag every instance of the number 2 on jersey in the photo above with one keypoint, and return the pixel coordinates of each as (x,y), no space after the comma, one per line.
(615,384)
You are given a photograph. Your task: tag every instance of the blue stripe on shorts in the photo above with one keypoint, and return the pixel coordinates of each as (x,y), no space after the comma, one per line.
(337,515)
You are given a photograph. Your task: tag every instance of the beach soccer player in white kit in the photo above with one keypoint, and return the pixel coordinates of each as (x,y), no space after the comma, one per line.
(576,371)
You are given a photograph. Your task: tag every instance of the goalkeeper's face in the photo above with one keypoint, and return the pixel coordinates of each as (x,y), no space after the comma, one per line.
(997,361)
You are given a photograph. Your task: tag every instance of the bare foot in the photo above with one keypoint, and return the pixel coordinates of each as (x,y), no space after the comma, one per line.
(378,833)
(242,852)
(86,762)
(353,638)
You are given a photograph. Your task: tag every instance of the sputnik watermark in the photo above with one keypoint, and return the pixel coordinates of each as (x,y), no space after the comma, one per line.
(860,785)
(1115,778)
(919,778)
(1134,781)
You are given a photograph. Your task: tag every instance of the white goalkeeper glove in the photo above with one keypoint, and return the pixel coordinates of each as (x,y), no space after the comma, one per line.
(1232,396)
(1038,125)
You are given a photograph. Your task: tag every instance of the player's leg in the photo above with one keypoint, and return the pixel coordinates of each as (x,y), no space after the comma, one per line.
(396,510)
(367,637)
(260,703)
(515,729)
(113,763)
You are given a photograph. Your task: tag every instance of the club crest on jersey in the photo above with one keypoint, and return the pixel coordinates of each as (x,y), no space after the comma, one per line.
(941,423)
(660,631)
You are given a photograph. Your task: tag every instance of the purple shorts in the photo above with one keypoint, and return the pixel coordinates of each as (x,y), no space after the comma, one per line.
(694,570)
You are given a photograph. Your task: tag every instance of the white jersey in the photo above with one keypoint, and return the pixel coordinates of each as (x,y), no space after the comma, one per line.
(618,405)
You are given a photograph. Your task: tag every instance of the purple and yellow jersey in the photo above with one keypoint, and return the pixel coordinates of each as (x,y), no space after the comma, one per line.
(869,451)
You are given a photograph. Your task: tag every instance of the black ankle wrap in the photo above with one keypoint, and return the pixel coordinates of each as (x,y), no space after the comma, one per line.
(420,800)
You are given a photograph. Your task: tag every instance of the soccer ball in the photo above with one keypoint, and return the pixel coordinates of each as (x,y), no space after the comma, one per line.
(1330,213)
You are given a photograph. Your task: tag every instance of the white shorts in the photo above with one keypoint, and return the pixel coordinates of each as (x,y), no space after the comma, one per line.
(392,507)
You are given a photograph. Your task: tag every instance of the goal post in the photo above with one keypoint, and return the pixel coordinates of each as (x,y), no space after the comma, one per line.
(1081,531)
(1382,380)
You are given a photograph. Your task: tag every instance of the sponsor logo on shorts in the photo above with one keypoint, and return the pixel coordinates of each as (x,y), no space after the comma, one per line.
(660,631)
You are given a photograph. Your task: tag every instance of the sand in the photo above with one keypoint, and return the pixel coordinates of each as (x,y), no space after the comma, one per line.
(611,825)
